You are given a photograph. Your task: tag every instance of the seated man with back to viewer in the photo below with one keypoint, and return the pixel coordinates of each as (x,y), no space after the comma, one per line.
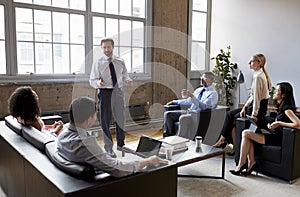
(203,98)
(75,145)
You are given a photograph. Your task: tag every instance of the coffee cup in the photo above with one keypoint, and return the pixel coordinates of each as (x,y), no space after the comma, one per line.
(169,152)
(198,141)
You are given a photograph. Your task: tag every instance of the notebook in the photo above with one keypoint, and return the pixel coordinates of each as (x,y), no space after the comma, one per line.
(147,147)
(253,126)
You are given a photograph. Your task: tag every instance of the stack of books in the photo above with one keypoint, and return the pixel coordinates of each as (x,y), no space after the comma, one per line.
(178,143)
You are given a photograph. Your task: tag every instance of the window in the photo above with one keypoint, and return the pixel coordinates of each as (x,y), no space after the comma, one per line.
(54,37)
(127,31)
(199,31)
(49,42)
(2,42)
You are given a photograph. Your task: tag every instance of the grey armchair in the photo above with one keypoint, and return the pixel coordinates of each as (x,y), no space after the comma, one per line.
(206,123)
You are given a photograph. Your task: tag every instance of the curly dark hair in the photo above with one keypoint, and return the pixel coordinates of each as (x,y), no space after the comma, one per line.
(23,103)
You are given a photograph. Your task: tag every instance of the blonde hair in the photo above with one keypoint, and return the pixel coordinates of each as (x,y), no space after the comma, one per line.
(262,59)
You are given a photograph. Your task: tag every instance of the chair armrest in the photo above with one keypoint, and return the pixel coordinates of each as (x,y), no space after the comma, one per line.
(48,120)
(290,145)
(175,107)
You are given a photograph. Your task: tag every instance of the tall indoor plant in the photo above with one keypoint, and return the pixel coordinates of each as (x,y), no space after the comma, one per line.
(225,80)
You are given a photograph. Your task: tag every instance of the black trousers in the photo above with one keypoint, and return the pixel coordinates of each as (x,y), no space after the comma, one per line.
(232,115)
(111,103)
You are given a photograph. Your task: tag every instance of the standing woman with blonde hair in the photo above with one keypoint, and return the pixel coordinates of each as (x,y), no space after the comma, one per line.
(256,105)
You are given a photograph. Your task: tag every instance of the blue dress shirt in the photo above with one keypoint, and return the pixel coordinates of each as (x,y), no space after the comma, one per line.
(208,100)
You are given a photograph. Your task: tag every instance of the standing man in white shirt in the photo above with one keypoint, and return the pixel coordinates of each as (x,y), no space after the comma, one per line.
(109,75)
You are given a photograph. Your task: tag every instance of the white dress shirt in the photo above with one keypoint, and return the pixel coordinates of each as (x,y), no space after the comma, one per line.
(101,70)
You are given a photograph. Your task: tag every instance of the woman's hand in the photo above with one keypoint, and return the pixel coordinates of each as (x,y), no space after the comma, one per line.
(58,127)
(273,125)
(254,118)
(243,112)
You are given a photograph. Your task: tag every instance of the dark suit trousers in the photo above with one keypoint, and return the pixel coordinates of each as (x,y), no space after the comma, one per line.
(170,117)
(111,103)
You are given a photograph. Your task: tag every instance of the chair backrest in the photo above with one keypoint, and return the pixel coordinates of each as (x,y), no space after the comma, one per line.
(35,137)
(13,124)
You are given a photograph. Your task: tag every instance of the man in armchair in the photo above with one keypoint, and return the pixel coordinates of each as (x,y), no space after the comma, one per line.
(203,98)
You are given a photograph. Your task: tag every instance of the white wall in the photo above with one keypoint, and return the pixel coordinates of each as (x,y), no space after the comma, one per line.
(271,27)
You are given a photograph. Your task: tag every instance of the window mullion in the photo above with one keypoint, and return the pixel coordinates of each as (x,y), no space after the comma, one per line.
(34,43)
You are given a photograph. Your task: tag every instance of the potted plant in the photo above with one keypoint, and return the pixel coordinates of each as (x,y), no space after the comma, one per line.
(271,93)
(225,81)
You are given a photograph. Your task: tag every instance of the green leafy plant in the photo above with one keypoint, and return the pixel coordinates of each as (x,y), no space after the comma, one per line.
(271,93)
(225,81)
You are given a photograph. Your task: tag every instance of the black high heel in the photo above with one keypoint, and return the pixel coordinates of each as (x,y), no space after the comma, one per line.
(223,145)
(248,172)
(238,172)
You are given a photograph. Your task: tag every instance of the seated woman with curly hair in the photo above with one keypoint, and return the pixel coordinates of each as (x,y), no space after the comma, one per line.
(23,104)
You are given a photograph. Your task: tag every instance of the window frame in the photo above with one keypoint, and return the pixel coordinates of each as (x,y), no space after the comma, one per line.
(11,52)
(191,74)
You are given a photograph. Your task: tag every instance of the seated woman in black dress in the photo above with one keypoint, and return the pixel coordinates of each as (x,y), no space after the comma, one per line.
(285,118)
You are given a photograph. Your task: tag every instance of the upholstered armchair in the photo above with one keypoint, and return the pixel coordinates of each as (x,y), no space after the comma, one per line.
(205,123)
(281,161)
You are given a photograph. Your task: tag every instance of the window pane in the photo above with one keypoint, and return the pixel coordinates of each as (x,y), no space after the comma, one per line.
(60,3)
(42,2)
(138,8)
(138,34)
(112,29)
(112,6)
(43,58)
(200,5)
(138,60)
(77,4)
(198,56)
(2,42)
(98,30)
(77,28)
(98,6)
(2,58)
(125,33)
(77,59)
(42,26)
(24,25)
(125,7)
(125,54)
(25,58)
(23,1)
(61,58)
(60,27)
(2,35)
(199,26)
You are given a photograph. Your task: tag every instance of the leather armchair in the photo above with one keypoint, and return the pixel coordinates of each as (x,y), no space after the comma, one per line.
(203,121)
(281,161)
